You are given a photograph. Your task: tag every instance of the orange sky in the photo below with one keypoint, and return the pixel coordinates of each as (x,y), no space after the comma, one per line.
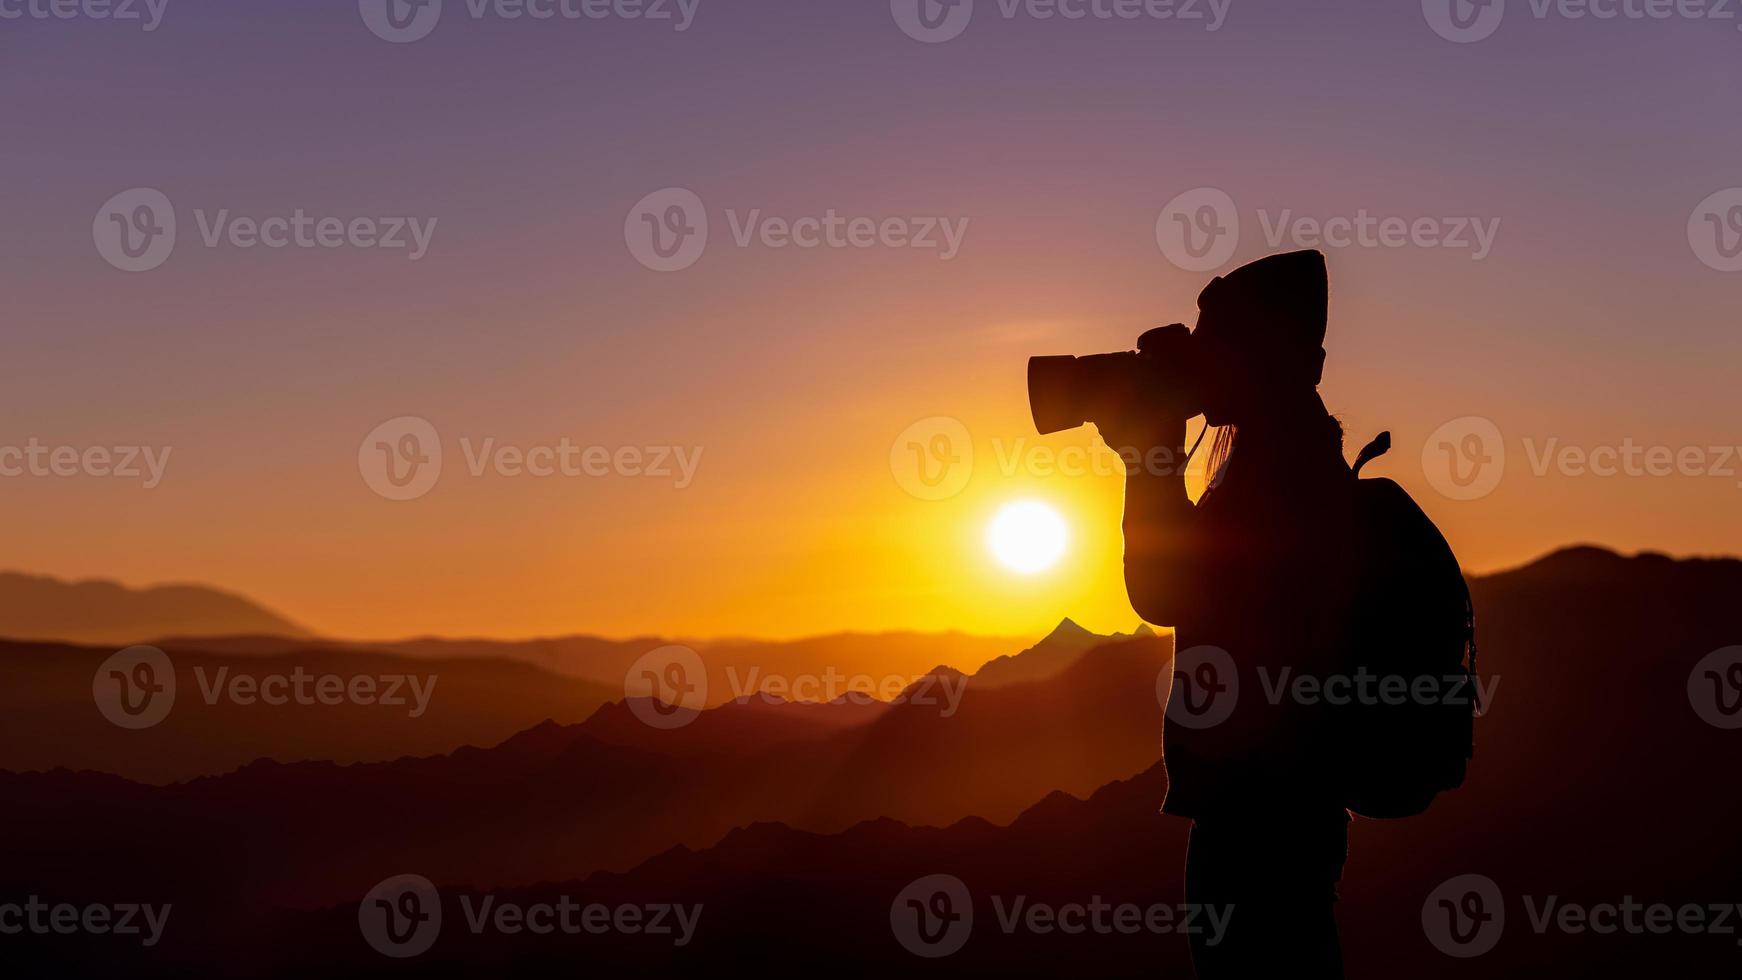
(796,522)
(1590,321)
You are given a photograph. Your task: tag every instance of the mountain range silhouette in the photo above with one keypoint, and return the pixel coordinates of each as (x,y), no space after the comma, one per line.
(612,791)
(796,825)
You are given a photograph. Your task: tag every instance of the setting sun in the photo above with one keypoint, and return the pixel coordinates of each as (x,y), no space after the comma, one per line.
(1027,536)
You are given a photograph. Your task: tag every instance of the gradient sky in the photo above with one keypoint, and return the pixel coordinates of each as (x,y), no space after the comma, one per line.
(1591,322)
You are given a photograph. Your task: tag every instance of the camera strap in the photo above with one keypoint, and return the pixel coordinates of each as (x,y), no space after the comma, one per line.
(1194,450)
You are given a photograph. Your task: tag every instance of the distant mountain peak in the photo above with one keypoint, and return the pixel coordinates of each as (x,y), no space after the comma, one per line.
(1068,627)
(1142,630)
(925,685)
(1056,651)
(39,607)
(1586,555)
(1587,560)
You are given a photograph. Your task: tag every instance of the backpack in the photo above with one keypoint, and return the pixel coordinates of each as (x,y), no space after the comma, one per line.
(1412,735)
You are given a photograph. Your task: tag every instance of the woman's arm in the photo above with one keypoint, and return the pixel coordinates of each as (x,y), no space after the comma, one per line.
(1163,553)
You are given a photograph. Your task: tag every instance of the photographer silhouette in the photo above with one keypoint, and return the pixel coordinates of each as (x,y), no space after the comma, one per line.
(1288,567)
(1259,568)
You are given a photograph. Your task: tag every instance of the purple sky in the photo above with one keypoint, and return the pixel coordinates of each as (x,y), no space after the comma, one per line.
(1590,321)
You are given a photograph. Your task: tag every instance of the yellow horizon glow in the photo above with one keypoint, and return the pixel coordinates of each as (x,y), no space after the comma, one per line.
(794,525)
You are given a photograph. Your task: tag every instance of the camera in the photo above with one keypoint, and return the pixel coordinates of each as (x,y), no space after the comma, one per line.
(1267,316)
(1065,392)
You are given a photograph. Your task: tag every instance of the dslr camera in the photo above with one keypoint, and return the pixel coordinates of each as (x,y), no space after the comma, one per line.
(1269,315)
(1065,392)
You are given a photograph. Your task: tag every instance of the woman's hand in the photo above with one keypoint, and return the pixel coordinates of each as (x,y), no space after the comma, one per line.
(1153,444)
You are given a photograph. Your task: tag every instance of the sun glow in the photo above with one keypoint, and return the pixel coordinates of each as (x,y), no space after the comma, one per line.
(1027,536)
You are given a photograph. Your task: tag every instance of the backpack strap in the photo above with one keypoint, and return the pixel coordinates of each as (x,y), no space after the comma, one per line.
(1380,445)
(1470,645)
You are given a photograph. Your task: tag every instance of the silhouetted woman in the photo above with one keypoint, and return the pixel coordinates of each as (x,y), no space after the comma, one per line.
(1257,579)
